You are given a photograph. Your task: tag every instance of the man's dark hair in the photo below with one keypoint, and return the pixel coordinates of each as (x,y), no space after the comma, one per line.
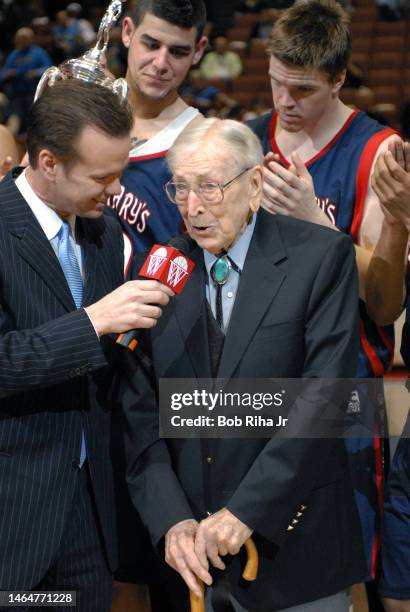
(58,117)
(183,13)
(312,34)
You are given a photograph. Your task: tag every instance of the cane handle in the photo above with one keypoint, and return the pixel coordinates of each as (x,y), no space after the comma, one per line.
(249,573)
(252,565)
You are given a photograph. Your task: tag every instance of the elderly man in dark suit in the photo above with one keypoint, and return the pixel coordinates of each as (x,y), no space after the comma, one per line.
(61,271)
(270,296)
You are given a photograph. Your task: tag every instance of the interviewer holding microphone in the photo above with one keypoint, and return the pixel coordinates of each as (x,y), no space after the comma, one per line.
(270,296)
(61,298)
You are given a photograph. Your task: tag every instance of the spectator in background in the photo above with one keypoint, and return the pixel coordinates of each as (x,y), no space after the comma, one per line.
(208,98)
(256,108)
(13,15)
(263,28)
(66,34)
(365,100)
(20,74)
(221,63)
(86,30)
(9,156)
(43,37)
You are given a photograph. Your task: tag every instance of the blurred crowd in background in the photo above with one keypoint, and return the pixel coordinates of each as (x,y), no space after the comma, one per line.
(232,79)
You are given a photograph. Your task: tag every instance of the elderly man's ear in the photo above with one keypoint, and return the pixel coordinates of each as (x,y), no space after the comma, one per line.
(255,188)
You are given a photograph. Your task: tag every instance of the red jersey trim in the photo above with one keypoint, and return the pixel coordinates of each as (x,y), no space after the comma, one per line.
(378,464)
(151,156)
(375,362)
(362,178)
(322,152)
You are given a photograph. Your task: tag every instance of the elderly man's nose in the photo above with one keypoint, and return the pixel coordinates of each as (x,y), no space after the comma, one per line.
(194,203)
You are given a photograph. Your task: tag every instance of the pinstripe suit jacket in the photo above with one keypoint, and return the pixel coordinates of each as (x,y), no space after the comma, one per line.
(53,374)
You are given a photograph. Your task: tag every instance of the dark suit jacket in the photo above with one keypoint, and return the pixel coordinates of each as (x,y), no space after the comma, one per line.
(51,386)
(295,315)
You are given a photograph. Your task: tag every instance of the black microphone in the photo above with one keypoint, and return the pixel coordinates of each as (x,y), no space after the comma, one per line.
(183,243)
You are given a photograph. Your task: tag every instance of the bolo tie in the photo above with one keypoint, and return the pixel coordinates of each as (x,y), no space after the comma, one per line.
(220,271)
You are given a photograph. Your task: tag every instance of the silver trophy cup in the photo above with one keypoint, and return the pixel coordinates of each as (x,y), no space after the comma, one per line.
(91,65)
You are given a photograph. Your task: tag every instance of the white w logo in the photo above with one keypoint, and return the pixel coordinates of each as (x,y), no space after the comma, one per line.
(156,260)
(177,271)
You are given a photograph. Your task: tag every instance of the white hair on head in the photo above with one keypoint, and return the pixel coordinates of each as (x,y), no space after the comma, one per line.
(244,148)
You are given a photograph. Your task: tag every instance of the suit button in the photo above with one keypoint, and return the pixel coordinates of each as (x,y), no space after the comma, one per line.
(75,464)
(209,459)
(208,513)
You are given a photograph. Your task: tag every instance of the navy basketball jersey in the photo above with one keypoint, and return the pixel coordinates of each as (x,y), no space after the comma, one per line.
(340,173)
(143,209)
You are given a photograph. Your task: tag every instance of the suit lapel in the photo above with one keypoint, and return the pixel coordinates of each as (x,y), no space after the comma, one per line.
(190,313)
(260,281)
(32,244)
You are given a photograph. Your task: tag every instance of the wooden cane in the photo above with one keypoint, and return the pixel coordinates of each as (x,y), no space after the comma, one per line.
(197,603)
(249,573)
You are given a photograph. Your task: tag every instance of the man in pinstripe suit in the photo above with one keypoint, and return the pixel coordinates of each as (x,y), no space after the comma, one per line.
(56,523)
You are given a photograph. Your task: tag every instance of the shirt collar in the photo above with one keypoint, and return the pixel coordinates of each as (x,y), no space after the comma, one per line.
(237,252)
(48,219)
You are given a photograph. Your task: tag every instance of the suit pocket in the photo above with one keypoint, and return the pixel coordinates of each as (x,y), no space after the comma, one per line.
(278,330)
(4,454)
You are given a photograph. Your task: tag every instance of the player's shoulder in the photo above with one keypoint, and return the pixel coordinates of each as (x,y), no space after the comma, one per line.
(363,126)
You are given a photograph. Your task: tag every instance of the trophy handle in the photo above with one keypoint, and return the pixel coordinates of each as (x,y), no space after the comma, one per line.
(50,76)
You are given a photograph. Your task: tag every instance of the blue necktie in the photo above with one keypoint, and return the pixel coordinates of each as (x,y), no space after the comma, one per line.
(72,272)
(69,264)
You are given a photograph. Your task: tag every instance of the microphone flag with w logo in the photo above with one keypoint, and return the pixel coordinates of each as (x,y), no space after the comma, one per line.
(169,266)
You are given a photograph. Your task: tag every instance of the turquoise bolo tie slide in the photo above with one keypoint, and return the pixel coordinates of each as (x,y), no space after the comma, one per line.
(220,270)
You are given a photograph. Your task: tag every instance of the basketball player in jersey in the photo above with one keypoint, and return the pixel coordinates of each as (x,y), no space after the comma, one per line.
(164,39)
(387,291)
(319,157)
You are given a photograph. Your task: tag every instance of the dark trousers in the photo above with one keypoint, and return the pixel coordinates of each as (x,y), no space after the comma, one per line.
(80,563)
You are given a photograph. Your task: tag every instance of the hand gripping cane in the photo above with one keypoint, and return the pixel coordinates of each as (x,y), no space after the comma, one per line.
(249,573)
